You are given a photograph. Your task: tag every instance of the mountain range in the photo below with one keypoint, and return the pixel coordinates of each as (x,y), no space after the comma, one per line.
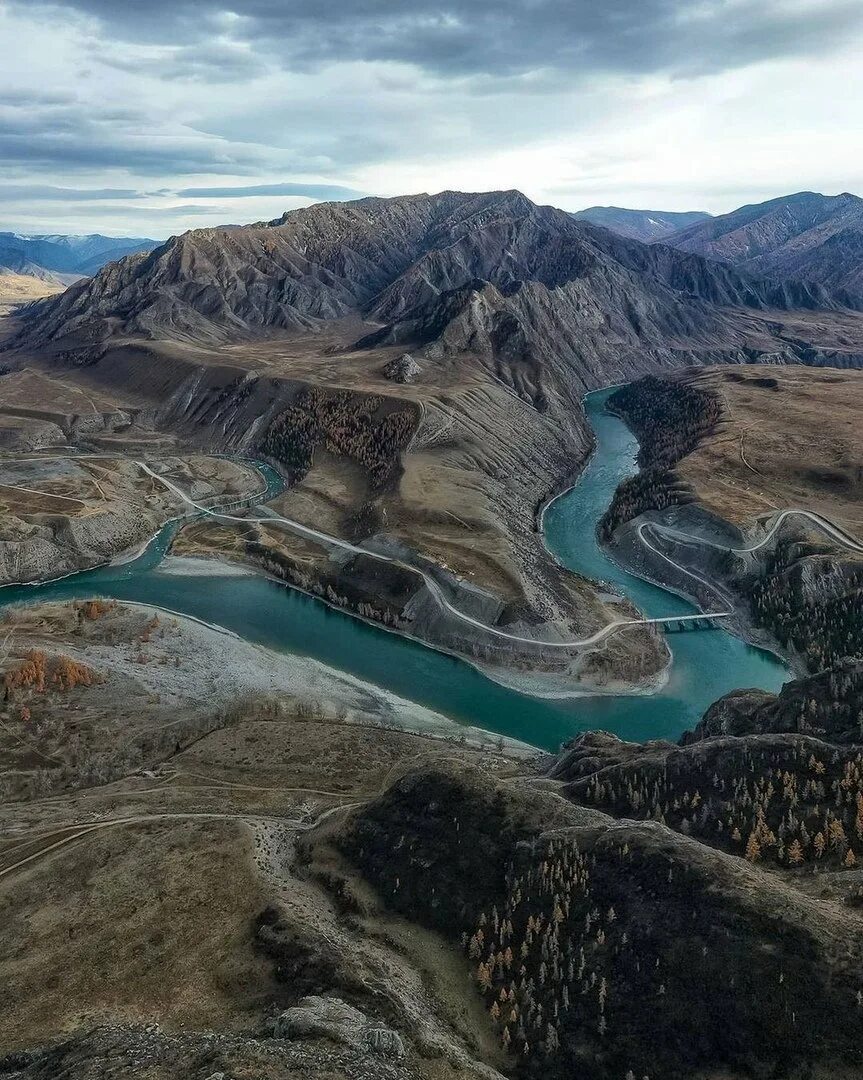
(806,236)
(483,273)
(64,258)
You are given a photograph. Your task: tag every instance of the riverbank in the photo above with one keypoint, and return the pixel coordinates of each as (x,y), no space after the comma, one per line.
(266,612)
(543,685)
(145,680)
(223,668)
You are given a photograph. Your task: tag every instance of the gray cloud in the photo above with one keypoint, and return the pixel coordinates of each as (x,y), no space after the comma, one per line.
(154,212)
(501,39)
(330,192)
(200,63)
(89,151)
(49,193)
(119,108)
(82,136)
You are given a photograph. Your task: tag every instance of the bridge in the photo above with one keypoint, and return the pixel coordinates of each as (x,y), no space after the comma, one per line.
(680,624)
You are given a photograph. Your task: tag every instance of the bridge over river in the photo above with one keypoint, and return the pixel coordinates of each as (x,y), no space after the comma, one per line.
(678,624)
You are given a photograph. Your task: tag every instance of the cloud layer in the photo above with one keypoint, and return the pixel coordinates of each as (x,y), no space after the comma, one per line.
(499,39)
(181,112)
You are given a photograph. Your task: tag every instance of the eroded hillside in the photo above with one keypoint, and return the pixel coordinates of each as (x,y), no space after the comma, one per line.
(414,366)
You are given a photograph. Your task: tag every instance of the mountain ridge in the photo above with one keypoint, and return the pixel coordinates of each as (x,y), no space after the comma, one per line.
(63,257)
(393,261)
(644,225)
(806,236)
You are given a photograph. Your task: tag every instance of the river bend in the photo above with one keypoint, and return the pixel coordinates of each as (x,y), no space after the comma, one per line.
(706,664)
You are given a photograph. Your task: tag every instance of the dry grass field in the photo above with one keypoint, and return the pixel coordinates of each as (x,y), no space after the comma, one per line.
(140,899)
(21,288)
(133,923)
(791,437)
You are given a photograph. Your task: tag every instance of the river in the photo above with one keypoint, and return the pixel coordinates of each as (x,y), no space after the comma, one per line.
(706,663)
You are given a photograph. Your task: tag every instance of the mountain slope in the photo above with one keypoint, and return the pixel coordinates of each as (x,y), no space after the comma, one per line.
(806,236)
(644,225)
(57,257)
(416,264)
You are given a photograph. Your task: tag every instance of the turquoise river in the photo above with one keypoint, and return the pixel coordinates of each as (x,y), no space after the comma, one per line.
(706,664)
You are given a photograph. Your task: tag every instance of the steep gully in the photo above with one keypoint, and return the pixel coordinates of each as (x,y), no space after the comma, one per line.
(706,664)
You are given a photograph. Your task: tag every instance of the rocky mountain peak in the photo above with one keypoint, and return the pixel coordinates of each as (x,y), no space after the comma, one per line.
(486,272)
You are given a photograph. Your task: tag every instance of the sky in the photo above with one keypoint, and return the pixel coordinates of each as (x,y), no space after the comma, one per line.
(149,117)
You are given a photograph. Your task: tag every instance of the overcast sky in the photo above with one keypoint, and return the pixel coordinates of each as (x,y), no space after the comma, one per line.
(148,117)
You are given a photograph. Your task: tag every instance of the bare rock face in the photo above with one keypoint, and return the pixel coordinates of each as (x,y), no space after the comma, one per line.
(736,713)
(332,1018)
(28,433)
(403,369)
(824,706)
(491,273)
(119,1052)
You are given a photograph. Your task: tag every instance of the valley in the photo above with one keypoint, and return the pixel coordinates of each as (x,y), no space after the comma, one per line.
(360,713)
(17,289)
(298,363)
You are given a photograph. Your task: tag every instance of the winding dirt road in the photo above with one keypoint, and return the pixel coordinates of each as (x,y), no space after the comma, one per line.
(68,834)
(835,532)
(432,586)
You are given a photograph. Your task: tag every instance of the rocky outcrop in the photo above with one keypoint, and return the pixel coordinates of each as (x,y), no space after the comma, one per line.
(825,706)
(115,1053)
(334,1019)
(735,714)
(404,369)
(63,545)
(28,433)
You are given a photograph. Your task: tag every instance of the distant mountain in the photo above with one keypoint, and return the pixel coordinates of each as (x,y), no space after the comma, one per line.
(63,259)
(644,225)
(807,236)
